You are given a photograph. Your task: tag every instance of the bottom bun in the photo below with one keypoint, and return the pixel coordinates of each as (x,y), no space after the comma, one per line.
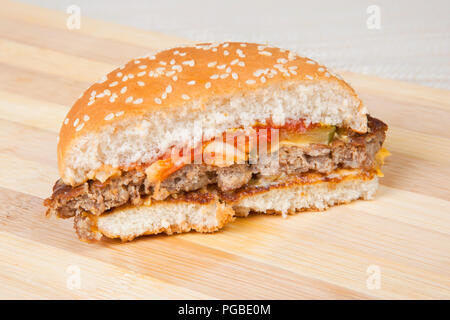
(168,217)
(204,212)
(318,196)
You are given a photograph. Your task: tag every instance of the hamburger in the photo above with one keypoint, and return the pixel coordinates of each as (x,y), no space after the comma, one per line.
(191,137)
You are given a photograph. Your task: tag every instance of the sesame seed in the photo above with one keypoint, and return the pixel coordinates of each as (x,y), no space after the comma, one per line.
(259,72)
(250,81)
(176,52)
(123,90)
(282,60)
(243,45)
(226,52)
(138,101)
(79,127)
(240,53)
(263,79)
(214,49)
(144,66)
(137,61)
(310,62)
(225,45)
(293,72)
(169,89)
(185,97)
(119,74)
(140,74)
(102,79)
(224,75)
(109,117)
(162,63)
(177,68)
(86,118)
(175,78)
(112,99)
(265,53)
(222,66)
(129,99)
(309,77)
(75,123)
(131,76)
(192,82)
(90,102)
(208,85)
(182,54)
(241,64)
(93,93)
(66,121)
(113,84)
(164,95)
(101,95)
(158,100)
(214,76)
(228,70)
(234,75)
(293,68)
(170,73)
(141,83)
(172,62)
(125,78)
(212,64)
(190,63)
(107,92)
(118,114)
(234,62)
(320,69)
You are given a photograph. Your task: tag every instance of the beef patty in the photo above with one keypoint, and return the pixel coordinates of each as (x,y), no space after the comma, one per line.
(353,151)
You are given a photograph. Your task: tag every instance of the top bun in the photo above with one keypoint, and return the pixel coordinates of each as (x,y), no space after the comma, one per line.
(139,110)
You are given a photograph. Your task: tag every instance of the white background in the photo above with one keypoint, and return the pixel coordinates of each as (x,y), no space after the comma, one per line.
(413,43)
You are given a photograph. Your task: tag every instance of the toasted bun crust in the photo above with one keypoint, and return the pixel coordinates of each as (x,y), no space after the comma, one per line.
(140,109)
(170,217)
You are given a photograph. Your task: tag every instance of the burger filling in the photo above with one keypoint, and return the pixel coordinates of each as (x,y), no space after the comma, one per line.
(227,166)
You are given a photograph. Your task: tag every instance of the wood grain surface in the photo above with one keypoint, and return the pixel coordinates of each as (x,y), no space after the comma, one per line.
(404,233)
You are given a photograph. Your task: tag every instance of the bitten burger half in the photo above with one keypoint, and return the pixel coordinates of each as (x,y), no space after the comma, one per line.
(191,137)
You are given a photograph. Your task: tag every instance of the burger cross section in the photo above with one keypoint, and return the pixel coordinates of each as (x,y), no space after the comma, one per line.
(191,137)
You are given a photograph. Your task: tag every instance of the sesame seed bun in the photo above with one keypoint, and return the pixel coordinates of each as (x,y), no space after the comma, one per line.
(136,112)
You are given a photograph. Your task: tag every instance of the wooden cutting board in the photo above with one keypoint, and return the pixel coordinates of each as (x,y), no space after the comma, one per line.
(397,246)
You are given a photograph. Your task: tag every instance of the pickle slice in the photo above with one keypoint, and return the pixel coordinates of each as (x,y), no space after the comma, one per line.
(319,135)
